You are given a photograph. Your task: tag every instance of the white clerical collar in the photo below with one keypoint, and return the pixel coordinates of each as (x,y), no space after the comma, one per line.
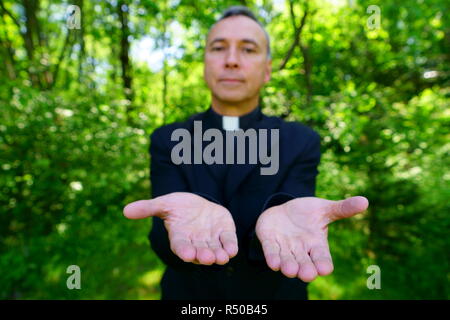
(230,123)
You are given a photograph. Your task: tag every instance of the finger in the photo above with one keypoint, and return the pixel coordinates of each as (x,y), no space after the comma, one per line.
(289,266)
(143,209)
(307,271)
(219,252)
(204,254)
(183,248)
(271,251)
(347,208)
(229,242)
(321,257)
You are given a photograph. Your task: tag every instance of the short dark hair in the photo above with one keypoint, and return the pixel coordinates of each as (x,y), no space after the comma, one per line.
(234,11)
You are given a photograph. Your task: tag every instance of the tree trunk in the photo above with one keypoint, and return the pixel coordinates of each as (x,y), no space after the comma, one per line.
(307,65)
(8,54)
(165,71)
(30,39)
(123,11)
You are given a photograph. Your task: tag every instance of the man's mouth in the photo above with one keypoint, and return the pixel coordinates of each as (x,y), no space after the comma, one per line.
(231,81)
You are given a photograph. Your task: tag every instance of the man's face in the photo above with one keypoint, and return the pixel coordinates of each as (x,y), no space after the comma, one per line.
(236,63)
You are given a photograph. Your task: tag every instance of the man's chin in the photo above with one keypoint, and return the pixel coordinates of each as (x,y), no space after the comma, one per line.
(231,98)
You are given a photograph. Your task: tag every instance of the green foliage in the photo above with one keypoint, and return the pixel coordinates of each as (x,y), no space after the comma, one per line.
(74,151)
(69,165)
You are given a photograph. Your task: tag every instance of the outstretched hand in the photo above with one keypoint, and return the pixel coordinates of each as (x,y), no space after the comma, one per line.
(294,235)
(200,231)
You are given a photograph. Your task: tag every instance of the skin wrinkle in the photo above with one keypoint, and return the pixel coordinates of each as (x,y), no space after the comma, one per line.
(266,35)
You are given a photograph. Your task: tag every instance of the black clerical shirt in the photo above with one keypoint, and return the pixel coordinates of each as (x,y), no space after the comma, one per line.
(214,120)
(246,194)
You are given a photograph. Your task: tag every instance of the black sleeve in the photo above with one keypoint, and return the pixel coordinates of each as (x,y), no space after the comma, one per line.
(166,177)
(300,182)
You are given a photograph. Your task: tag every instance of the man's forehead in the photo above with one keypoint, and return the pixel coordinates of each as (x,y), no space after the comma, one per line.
(236,28)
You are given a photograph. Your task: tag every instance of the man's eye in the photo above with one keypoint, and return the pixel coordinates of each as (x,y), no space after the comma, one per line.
(249,50)
(217,48)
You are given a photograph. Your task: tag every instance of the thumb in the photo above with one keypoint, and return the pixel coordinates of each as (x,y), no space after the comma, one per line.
(143,209)
(347,208)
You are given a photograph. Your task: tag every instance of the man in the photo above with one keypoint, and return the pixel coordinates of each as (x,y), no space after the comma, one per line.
(224,229)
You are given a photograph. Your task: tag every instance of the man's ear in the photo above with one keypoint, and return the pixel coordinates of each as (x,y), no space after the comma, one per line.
(268,70)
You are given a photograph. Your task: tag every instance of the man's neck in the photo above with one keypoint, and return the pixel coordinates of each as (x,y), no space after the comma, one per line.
(234,109)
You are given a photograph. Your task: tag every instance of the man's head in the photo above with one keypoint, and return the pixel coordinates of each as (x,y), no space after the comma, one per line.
(237,57)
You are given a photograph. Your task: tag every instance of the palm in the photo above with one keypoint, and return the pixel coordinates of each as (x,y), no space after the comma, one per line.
(199,231)
(294,235)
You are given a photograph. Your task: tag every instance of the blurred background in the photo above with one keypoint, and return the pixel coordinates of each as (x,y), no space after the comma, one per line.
(84,84)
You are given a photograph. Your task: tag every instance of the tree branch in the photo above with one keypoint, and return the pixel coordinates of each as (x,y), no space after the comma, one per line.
(9,14)
(297,35)
(60,59)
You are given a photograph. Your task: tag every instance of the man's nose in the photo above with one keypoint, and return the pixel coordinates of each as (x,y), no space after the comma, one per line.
(232,58)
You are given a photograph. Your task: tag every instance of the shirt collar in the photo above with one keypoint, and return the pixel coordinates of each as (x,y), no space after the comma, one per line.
(233,123)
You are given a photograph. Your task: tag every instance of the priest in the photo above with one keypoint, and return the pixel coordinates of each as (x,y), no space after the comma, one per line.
(225,231)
